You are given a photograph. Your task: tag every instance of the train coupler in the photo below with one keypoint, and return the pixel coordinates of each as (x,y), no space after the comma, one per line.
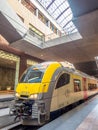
(21,110)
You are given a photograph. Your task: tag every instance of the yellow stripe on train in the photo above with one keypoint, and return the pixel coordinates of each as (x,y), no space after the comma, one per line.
(31,88)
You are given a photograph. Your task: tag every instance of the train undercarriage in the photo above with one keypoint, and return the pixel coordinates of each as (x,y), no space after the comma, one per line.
(31,110)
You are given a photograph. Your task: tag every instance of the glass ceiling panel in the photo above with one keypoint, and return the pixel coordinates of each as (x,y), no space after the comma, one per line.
(61,12)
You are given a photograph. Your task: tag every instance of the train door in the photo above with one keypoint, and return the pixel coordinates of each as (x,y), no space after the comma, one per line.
(62,89)
(77,89)
(84,83)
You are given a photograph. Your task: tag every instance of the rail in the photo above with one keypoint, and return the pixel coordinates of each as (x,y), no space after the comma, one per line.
(10,126)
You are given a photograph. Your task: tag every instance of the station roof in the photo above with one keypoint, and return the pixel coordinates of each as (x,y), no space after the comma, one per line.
(61,12)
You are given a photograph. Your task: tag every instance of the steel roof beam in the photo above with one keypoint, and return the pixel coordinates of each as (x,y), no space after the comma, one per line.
(62,13)
(58,7)
(72,30)
(67,23)
(64,18)
(50,4)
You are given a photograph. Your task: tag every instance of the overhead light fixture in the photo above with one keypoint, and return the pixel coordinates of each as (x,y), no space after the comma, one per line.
(41,55)
(96,57)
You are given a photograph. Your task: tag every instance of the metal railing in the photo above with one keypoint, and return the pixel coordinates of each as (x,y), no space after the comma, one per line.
(53,36)
(34,34)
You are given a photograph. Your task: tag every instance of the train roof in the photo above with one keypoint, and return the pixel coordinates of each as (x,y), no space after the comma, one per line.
(69,67)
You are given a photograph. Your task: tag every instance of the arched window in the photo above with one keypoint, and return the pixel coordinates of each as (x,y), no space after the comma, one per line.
(63,80)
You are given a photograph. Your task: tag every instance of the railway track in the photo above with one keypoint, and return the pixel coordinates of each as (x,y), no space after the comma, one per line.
(10,126)
(21,127)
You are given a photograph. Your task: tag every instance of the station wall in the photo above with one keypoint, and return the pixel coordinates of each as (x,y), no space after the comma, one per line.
(7,78)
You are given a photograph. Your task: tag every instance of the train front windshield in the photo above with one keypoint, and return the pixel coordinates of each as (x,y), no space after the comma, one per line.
(32,75)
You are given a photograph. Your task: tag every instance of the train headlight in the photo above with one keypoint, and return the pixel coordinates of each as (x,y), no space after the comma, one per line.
(33,96)
(17,94)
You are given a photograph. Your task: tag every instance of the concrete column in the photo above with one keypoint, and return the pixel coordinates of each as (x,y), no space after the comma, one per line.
(17,73)
(23,65)
(49,24)
(57,32)
(37,12)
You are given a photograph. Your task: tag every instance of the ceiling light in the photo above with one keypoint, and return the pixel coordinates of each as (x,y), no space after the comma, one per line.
(96,57)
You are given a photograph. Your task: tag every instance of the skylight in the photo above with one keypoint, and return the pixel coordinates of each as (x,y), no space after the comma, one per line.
(61,12)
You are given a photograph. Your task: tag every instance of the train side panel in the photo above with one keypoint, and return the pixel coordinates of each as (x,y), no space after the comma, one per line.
(92,86)
(70,93)
(66,95)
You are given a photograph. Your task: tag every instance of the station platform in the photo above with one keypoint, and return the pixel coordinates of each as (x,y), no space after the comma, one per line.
(83,117)
(6,96)
(6,121)
(6,99)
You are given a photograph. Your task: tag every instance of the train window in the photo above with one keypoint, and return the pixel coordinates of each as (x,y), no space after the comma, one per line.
(95,85)
(77,85)
(32,75)
(63,80)
(24,75)
(92,86)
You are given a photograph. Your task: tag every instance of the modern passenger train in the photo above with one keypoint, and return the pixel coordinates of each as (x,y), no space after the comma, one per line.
(48,87)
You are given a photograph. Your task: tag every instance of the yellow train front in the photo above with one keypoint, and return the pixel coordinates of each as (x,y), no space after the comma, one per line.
(34,92)
(49,87)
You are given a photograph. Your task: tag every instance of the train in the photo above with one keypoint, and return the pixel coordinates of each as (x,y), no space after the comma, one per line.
(49,87)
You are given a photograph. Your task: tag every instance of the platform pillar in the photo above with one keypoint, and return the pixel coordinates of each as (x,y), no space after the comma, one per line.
(17,73)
